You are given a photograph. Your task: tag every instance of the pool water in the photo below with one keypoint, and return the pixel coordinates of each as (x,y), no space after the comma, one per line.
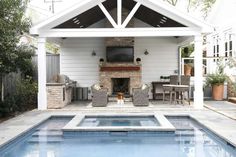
(100,121)
(189,140)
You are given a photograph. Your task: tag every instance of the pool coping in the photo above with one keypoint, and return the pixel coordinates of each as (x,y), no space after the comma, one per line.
(165,125)
(198,115)
(23,132)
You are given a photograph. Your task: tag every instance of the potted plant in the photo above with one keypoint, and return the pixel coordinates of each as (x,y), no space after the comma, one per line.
(138,60)
(188,63)
(216,81)
(188,69)
(101,61)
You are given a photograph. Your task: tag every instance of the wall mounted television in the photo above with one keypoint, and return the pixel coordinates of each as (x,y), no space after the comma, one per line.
(120,54)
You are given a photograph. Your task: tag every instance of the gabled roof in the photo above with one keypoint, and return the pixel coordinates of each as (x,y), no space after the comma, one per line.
(149,11)
(95,14)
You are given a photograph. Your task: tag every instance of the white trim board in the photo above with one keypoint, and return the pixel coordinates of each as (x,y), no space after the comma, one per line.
(120,32)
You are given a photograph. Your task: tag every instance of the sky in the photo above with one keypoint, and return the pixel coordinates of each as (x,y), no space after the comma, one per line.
(41,9)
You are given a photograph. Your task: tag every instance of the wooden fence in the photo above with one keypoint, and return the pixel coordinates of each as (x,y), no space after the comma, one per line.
(53,68)
(53,65)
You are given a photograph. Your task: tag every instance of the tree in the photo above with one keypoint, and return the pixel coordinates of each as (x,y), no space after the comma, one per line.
(172,2)
(205,5)
(13,24)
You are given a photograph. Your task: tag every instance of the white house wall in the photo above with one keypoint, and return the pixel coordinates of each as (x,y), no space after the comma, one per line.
(222,18)
(162,59)
(78,63)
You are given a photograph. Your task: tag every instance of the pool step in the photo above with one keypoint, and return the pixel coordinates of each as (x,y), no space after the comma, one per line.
(46,129)
(184,133)
(46,136)
(47,133)
(45,139)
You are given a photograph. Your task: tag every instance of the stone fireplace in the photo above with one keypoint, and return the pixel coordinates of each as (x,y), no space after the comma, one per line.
(129,71)
(120,85)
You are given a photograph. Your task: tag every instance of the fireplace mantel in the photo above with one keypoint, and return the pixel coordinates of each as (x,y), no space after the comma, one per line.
(120,68)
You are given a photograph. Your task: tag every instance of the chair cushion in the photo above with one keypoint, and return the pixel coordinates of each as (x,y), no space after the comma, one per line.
(97,87)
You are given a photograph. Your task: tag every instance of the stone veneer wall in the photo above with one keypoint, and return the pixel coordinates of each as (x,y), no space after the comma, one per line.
(55,95)
(134,75)
(119,41)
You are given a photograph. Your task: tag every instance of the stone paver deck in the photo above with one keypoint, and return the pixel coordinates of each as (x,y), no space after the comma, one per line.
(223,107)
(222,125)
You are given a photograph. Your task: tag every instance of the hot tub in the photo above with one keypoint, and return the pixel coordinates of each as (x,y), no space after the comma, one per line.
(132,122)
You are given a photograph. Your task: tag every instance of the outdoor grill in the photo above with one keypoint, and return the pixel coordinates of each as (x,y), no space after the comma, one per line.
(62,90)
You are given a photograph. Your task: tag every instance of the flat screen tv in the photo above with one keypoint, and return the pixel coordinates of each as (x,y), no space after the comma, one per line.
(120,54)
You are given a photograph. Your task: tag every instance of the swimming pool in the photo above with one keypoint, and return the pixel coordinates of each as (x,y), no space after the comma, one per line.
(190,140)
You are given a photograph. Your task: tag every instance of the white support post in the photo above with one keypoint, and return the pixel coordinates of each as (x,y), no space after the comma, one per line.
(221,44)
(198,78)
(106,13)
(131,14)
(42,93)
(119,12)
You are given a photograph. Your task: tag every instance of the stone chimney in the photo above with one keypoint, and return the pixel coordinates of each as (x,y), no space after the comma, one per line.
(119,41)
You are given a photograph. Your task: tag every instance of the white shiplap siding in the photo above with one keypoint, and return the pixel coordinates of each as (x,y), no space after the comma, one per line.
(161,60)
(77,61)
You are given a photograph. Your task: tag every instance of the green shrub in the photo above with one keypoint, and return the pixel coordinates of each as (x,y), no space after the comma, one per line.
(219,77)
(216,79)
(26,94)
(24,98)
(8,107)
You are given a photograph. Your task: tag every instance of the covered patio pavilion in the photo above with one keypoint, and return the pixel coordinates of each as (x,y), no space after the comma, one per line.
(93,25)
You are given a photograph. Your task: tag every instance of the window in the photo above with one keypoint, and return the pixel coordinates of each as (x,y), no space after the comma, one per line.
(216,48)
(228,46)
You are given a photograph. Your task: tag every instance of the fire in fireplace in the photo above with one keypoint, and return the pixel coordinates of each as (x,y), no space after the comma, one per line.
(120,85)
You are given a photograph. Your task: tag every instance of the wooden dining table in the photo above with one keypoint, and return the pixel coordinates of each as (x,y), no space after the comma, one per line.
(177,90)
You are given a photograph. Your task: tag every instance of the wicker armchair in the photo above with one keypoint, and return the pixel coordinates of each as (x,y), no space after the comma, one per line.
(99,96)
(140,96)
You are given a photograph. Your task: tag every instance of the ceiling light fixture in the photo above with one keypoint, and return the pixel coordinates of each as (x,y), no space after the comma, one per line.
(165,18)
(76,21)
